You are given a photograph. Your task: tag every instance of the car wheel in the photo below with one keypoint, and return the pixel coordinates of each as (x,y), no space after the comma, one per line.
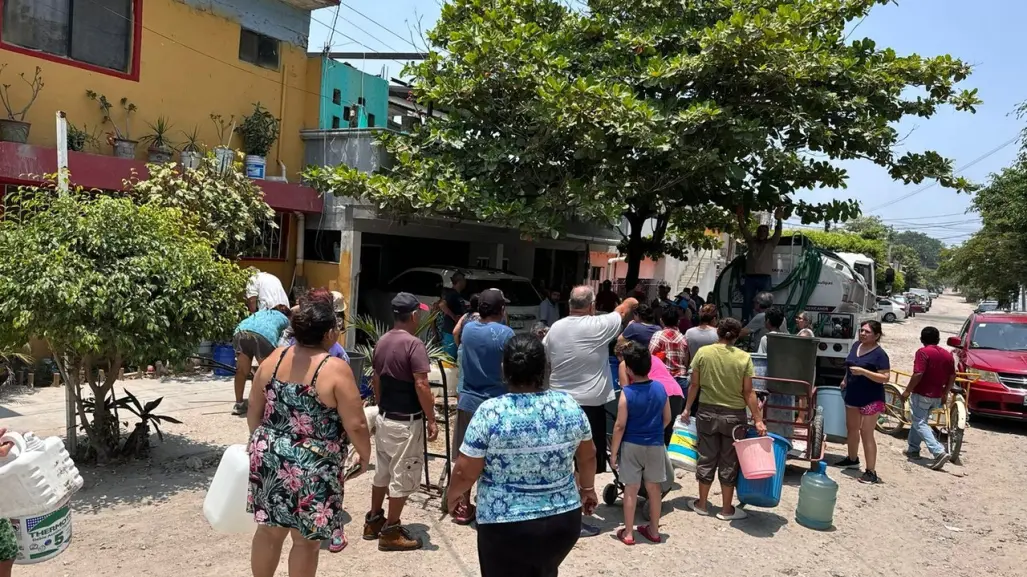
(889,318)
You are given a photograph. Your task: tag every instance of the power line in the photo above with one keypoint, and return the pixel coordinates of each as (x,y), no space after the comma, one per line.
(926,217)
(376,23)
(957,171)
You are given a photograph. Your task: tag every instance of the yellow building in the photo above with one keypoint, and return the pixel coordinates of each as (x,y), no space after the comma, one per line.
(181,59)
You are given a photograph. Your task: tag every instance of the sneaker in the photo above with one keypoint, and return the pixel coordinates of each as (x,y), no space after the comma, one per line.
(870,478)
(397,538)
(848,463)
(241,408)
(913,455)
(939,461)
(373,525)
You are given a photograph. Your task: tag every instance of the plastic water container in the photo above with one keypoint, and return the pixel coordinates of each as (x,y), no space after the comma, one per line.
(766,492)
(42,536)
(684,445)
(615,371)
(817,496)
(833,405)
(224,507)
(759,369)
(756,457)
(225,355)
(37,476)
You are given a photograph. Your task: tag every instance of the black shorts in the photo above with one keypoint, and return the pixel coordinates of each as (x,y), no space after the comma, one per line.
(532,548)
(252,345)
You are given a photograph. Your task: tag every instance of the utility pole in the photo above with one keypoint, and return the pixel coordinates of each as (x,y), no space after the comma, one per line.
(70,392)
(827,226)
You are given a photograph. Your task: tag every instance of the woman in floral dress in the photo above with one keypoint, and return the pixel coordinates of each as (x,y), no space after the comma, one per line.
(305,409)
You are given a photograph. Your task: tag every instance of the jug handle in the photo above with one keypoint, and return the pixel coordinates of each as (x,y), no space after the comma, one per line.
(15,439)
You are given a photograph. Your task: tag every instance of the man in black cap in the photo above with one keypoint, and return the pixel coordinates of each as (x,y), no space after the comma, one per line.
(406,408)
(481,365)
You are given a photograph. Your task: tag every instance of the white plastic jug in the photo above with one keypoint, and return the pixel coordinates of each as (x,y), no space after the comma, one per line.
(43,536)
(36,477)
(225,504)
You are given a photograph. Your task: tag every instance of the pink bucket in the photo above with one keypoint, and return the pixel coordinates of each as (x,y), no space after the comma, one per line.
(756,457)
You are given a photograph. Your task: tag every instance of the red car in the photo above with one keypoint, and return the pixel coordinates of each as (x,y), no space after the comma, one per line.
(993,346)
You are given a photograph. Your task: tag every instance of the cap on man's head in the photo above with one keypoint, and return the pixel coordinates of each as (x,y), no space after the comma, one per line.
(491,301)
(406,303)
(339,302)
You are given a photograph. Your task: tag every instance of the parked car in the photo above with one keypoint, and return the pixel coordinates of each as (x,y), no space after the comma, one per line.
(890,311)
(993,346)
(925,297)
(425,283)
(986,306)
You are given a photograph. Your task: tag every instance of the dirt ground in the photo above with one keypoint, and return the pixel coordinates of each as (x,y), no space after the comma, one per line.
(133,521)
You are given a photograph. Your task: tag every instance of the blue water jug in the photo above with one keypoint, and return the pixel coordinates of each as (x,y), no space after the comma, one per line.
(615,371)
(830,400)
(766,492)
(817,496)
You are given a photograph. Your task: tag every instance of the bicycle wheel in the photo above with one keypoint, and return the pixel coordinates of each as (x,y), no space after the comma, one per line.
(957,424)
(892,420)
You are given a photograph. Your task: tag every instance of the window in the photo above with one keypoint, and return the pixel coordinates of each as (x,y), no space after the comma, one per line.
(482,262)
(336,123)
(258,49)
(322,245)
(336,96)
(370,121)
(506,265)
(95,33)
(519,292)
(273,241)
(361,101)
(595,273)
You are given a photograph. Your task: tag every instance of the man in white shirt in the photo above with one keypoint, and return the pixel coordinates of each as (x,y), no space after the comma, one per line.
(579,357)
(264,292)
(549,310)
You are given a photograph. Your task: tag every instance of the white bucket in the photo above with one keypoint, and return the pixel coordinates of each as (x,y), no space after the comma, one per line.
(43,537)
(225,158)
(256,166)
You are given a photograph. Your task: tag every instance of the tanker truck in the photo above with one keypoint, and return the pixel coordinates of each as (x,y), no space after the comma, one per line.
(835,289)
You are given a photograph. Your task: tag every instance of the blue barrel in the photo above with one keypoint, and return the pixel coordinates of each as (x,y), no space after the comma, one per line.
(224,355)
(830,399)
(615,370)
(766,492)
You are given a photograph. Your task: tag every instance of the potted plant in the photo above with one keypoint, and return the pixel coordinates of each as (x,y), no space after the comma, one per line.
(160,147)
(225,130)
(80,138)
(259,132)
(192,152)
(14,128)
(121,140)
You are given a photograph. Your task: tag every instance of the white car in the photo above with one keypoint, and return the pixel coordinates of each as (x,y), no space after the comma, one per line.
(425,282)
(890,310)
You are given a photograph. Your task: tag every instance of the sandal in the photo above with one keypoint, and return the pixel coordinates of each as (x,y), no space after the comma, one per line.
(646,531)
(338,543)
(694,506)
(624,536)
(464,514)
(738,513)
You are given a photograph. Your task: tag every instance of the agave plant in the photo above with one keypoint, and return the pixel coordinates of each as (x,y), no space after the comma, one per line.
(374,330)
(7,358)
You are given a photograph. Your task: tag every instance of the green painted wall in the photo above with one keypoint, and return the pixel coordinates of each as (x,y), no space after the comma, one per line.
(352,84)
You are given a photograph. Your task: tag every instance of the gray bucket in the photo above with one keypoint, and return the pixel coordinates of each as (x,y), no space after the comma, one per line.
(356,363)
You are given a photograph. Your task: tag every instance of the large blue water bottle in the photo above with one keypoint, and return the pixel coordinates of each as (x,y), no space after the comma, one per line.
(817,496)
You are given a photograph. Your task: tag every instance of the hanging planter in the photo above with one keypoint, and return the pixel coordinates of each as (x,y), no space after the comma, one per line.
(14,128)
(259,131)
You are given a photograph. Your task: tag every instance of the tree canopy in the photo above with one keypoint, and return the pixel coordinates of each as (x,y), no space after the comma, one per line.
(636,111)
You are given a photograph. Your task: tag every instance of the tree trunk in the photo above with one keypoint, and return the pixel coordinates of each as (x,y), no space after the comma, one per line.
(634,253)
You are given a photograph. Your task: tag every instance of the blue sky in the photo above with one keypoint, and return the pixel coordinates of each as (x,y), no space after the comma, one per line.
(927,27)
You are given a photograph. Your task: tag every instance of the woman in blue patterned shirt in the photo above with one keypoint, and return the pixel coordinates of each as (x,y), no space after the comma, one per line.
(521,448)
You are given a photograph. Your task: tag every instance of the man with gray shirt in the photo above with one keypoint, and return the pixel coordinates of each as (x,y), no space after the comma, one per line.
(759,259)
(757,326)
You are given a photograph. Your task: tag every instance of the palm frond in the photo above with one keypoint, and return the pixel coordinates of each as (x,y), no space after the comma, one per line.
(374,329)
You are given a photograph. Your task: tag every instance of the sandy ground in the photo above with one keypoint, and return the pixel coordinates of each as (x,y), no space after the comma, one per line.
(145,519)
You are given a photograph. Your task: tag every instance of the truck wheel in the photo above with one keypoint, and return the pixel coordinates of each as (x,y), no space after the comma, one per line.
(892,420)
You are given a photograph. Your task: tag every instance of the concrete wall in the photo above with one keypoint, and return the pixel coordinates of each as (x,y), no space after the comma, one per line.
(269,17)
(195,73)
(352,84)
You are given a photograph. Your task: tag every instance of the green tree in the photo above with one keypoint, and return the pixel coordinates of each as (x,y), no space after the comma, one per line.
(870,227)
(224,206)
(634,111)
(107,283)
(928,249)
